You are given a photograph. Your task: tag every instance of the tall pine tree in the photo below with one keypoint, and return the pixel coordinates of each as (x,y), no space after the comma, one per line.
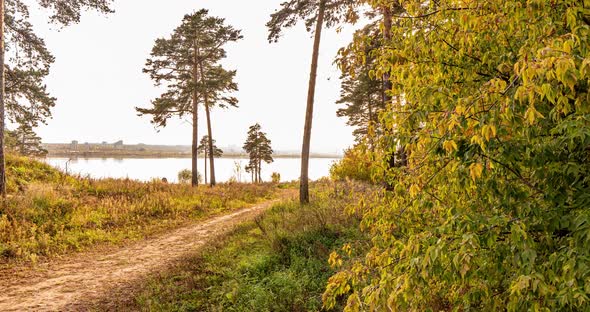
(321,13)
(187,64)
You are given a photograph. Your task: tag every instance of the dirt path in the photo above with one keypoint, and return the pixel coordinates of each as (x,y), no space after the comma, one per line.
(66,284)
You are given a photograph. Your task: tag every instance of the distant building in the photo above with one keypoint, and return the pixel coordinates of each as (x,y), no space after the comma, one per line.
(74,145)
(118,144)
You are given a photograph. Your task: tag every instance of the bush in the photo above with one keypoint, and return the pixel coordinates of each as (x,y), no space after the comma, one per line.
(355,165)
(186,176)
(276,177)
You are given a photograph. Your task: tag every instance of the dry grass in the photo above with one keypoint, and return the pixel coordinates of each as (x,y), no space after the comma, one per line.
(49,213)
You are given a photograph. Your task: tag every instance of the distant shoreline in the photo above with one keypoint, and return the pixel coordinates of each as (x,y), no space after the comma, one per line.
(120,150)
(102,155)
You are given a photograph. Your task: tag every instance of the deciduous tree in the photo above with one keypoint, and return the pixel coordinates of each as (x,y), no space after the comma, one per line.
(491,213)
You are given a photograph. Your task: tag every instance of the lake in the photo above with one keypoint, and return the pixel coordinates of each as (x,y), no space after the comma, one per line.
(146,169)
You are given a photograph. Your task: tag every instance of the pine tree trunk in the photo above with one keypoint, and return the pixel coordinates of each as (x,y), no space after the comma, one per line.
(195,152)
(259,171)
(304,183)
(258,157)
(209,129)
(205,163)
(211,155)
(2,106)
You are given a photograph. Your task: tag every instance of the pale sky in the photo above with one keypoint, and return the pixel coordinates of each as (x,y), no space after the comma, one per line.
(98,79)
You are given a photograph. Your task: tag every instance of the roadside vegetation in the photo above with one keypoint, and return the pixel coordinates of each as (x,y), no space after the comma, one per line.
(279,262)
(50,213)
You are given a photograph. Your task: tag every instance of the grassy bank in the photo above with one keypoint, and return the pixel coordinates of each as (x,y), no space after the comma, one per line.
(277,263)
(50,213)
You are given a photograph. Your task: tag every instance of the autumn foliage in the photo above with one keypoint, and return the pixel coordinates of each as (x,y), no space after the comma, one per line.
(491,103)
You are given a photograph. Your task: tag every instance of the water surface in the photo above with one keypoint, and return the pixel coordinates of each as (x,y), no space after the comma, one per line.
(146,169)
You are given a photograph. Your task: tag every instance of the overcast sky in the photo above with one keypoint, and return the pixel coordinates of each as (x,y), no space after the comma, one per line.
(98,79)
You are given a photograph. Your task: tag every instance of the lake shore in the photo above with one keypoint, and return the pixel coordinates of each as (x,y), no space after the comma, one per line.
(149,154)
(147,169)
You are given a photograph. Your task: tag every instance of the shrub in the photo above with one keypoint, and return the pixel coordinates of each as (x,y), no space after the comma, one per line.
(276,177)
(186,176)
(355,165)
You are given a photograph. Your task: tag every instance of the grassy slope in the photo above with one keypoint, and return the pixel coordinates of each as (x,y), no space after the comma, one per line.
(49,213)
(278,263)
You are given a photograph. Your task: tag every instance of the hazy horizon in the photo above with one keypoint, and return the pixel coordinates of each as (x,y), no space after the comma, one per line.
(98,80)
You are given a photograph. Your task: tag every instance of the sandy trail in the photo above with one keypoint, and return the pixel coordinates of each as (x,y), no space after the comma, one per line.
(66,285)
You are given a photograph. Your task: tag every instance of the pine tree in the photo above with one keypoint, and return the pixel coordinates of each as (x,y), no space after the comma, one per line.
(259,149)
(25,61)
(361,91)
(24,141)
(187,64)
(204,149)
(322,13)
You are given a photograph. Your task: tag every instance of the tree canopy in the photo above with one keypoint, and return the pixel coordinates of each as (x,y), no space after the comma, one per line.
(293,11)
(187,65)
(204,149)
(28,60)
(173,62)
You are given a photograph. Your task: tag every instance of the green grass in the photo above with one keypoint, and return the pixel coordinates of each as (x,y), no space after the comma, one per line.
(277,263)
(49,213)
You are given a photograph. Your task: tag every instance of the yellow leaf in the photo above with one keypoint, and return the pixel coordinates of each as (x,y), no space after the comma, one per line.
(532,114)
(460,110)
(475,171)
(485,133)
(453,123)
(335,260)
(488,131)
(450,146)
(478,140)
(414,190)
